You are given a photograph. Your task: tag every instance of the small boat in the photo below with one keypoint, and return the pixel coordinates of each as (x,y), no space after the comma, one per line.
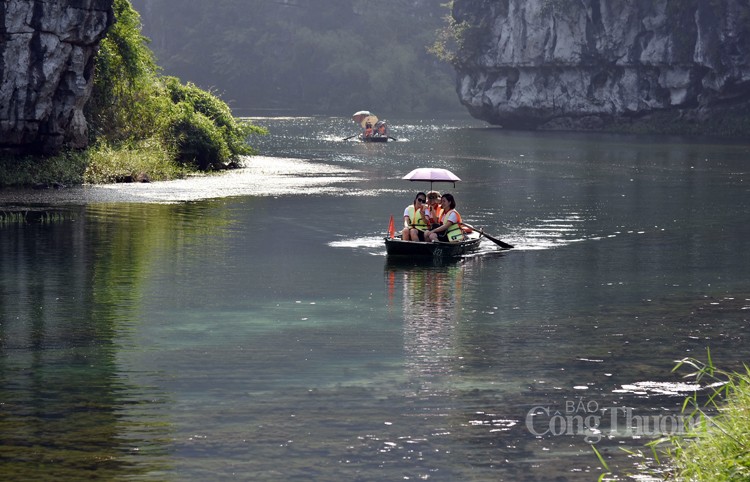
(374,138)
(373,130)
(397,247)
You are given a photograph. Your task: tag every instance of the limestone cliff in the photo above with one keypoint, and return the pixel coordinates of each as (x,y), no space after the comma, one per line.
(47,49)
(587,63)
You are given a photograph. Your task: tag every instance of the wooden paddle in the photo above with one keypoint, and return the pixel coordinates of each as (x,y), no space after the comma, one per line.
(498,242)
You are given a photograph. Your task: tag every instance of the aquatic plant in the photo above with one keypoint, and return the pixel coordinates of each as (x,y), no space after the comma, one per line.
(715,445)
(28,216)
(718,448)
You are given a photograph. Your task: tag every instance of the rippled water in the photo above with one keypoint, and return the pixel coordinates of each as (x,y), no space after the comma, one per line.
(249,326)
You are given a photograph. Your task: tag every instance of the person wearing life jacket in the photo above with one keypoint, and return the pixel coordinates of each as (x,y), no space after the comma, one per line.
(415,223)
(434,211)
(381,129)
(450,223)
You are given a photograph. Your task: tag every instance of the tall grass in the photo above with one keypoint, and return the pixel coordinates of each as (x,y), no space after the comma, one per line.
(64,169)
(718,448)
(132,161)
(715,445)
(140,161)
(28,216)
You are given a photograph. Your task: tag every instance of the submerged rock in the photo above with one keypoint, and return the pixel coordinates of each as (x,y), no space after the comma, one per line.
(46,71)
(586,64)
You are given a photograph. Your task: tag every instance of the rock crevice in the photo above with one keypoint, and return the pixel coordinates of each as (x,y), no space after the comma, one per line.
(557,63)
(46,71)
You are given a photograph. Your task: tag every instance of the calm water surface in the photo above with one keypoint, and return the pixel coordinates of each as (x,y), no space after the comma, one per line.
(255,330)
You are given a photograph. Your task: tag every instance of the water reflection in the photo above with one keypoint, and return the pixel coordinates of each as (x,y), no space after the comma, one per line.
(430,297)
(68,298)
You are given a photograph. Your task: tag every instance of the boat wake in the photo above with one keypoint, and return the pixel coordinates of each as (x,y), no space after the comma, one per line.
(367,242)
(563,230)
(551,233)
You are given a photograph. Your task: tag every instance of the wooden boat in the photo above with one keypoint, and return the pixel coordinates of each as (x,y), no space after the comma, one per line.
(373,130)
(375,138)
(397,247)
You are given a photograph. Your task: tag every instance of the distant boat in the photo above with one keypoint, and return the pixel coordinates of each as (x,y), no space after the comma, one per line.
(373,130)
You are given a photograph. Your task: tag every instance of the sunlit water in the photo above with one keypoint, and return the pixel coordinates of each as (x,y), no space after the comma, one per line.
(250,326)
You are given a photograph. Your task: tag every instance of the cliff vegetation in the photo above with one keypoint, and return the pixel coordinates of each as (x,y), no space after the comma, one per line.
(142,125)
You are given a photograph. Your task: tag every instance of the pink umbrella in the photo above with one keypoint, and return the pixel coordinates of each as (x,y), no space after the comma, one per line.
(432,174)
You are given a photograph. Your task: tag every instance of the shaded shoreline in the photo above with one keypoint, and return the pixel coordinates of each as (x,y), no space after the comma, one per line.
(259,176)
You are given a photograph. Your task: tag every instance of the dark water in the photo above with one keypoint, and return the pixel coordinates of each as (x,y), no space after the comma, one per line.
(266,336)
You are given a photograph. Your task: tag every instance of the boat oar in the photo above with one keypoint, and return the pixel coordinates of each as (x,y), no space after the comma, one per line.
(498,242)
(392,138)
(347,138)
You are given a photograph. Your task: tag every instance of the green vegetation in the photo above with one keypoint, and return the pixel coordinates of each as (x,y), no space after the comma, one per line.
(335,57)
(129,162)
(450,37)
(135,109)
(28,216)
(717,449)
(66,168)
(715,445)
(143,126)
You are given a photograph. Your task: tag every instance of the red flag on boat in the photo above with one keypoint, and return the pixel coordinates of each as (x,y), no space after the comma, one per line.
(391,228)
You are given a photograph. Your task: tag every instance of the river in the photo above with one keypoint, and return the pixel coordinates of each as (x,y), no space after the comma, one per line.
(249,326)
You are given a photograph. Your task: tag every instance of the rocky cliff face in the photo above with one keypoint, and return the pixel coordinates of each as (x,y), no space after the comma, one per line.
(586,63)
(46,67)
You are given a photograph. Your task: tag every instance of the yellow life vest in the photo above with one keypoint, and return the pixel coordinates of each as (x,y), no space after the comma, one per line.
(454,234)
(416,218)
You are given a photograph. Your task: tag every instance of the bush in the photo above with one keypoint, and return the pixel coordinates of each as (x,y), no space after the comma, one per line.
(131,103)
(198,141)
(203,130)
(143,126)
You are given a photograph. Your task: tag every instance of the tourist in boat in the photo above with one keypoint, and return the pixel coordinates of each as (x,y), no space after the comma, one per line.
(368,130)
(450,223)
(381,129)
(434,210)
(415,223)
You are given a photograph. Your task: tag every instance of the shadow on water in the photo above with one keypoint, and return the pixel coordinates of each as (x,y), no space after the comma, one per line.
(71,284)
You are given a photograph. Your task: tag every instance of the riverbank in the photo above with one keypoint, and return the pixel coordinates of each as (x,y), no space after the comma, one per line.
(717,450)
(258,176)
(714,446)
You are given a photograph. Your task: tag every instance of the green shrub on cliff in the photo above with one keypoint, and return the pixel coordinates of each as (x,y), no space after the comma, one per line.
(132,103)
(202,128)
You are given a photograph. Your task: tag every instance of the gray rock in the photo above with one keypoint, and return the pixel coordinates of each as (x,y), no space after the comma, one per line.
(46,71)
(552,63)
